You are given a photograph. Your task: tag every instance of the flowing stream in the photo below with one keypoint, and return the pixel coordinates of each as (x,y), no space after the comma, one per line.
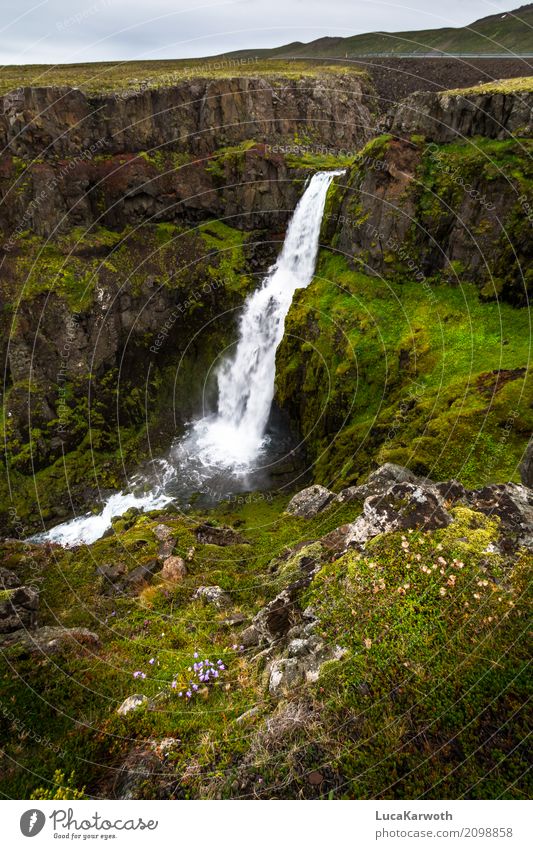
(222,451)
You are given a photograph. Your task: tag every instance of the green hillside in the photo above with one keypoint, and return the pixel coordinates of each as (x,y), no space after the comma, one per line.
(510,32)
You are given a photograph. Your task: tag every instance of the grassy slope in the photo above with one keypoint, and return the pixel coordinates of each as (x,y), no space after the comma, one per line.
(427,407)
(426,702)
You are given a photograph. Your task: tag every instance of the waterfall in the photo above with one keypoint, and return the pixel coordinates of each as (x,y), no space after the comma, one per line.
(233,437)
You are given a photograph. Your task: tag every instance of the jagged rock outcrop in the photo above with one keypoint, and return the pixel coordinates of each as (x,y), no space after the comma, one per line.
(400,507)
(18,609)
(396,499)
(449,116)
(377,484)
(310,501)
(251,189)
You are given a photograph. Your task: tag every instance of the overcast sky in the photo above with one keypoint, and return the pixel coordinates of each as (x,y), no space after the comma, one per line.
(56,31)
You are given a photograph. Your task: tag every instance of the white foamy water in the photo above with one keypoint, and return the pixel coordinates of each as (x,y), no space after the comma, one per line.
(91,527)
(234,437)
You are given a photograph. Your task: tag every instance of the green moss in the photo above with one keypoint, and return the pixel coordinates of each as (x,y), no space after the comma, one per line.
(396,372)
(228,157)
(318,161)
(5,595)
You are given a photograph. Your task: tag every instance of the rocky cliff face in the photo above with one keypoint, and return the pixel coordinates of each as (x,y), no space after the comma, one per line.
(70,159)
(196,116)
(451,116)
(428,247)
(106,254)
(415,208)
(248,186)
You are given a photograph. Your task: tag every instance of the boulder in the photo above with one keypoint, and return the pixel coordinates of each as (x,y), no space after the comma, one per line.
(166,548)
(512,503)
(284,675)
(111,574)
(174,569)
(132,703)
(213,595)
(274,620)
(302,666)
(165,536)
(378,483)
(50,640)
(162,532)
(401,507)
(309,502)
(18,609)
(8,579)
(211,535)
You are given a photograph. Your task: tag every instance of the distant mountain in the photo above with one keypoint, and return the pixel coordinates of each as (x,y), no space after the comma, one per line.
(505,33)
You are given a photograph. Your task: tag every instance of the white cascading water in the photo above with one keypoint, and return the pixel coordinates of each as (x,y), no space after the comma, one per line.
(234,437)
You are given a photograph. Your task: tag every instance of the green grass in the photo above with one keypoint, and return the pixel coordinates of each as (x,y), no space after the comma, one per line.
(410,711)
(130,77)
(436,669)
(511,86)
(163,623)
